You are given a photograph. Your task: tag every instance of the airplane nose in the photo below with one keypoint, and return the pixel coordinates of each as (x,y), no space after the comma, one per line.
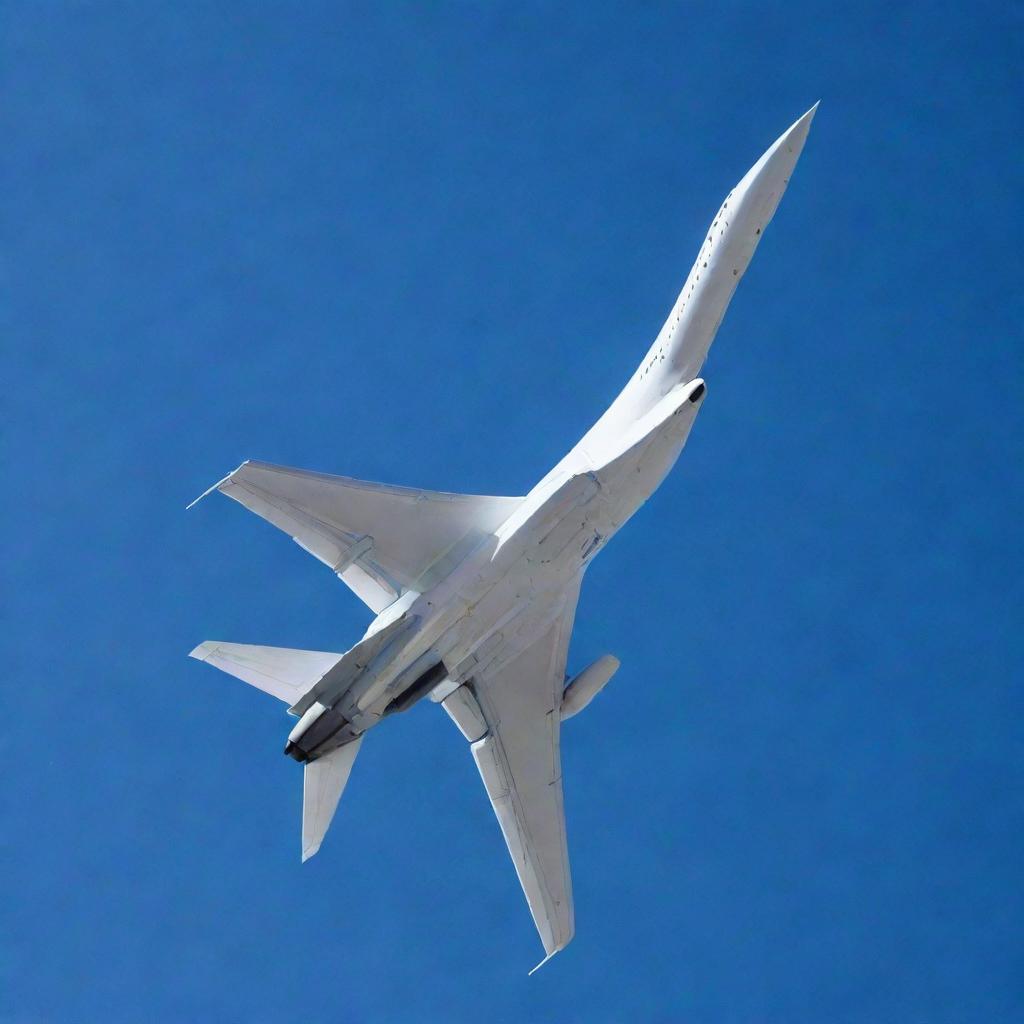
(762,186)
(731,239)
(801,126)
(786,149)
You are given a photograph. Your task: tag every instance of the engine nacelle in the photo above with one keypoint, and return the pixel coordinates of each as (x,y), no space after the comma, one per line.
(588,684)
(319,731)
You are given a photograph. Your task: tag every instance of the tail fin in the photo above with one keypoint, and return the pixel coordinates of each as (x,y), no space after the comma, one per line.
(324,782)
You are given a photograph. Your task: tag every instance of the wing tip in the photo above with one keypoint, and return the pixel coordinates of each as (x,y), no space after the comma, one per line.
(209,490)
(557,949)
(217,486)
(202,651)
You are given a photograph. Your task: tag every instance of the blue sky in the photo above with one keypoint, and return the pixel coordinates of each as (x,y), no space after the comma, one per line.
(427,245)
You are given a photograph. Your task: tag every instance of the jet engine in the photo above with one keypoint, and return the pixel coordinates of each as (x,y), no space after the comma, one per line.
(319,731)
(588,684)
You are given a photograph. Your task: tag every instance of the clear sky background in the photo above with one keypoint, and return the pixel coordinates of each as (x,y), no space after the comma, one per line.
(427,245)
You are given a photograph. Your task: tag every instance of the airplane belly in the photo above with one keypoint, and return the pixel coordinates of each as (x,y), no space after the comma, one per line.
(630,476)
(512,605)
(573,533)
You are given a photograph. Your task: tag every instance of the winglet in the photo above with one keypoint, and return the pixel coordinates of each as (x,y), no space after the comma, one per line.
(215,487)
(544,961)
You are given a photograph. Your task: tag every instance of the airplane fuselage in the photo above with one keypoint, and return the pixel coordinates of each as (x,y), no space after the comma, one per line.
(506,590)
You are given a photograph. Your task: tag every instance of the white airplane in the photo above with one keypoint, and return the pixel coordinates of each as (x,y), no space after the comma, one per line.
(475,596)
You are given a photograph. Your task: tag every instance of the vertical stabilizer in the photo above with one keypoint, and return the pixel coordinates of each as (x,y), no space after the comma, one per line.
(323,784)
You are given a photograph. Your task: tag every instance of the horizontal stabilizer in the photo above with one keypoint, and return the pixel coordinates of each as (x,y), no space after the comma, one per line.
(280,671)
(299,678)
(324,782)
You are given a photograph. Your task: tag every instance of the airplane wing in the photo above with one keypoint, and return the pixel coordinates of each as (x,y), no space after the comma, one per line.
(379,539)
(514,715)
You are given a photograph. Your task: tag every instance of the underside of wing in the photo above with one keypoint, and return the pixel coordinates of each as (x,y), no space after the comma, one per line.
(517,710)
(380,540)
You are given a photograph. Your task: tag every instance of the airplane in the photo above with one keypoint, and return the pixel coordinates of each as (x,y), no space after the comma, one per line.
(475,596)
